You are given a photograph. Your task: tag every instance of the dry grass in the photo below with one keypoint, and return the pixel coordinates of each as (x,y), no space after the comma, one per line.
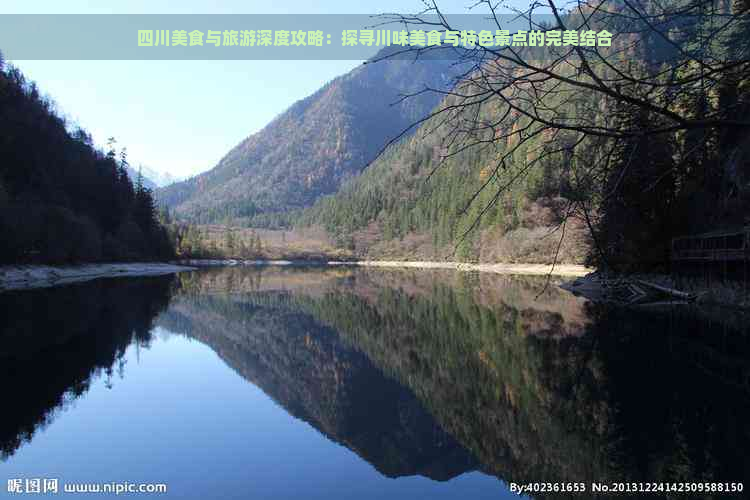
(535,241)
(306,244)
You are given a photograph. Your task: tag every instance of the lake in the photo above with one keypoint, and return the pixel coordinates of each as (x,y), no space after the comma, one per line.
(319,383)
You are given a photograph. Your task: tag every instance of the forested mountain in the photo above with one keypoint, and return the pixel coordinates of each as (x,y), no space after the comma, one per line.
(400,208)
(618,150)
(61,199)
(315,145)
(576,154)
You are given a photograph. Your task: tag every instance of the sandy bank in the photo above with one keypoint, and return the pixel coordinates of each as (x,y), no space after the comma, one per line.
(537,269)
(33,276)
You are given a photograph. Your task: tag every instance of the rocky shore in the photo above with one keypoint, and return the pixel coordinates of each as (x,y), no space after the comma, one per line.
(650,289)
(38,276)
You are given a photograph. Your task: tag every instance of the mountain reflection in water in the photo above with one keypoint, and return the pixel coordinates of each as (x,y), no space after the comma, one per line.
(419,373)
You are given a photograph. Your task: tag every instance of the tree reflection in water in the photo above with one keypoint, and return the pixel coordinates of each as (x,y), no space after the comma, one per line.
(55,341)
(420,372)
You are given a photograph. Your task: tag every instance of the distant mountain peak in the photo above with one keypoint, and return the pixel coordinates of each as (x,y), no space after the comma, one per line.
(151,178)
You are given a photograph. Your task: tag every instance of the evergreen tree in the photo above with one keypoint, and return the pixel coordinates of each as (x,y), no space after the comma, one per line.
(81,210)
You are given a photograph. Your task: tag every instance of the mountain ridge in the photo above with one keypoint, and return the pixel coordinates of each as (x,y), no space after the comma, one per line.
(317,143)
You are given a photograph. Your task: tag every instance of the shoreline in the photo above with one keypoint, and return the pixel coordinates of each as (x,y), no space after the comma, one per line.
(25,277)
(582,281)
(571,270)
(31,276)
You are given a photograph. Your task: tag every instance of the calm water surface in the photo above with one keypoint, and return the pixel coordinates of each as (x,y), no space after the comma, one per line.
(319,383)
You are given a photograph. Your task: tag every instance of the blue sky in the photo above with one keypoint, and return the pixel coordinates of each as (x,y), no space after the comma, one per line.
(181,117)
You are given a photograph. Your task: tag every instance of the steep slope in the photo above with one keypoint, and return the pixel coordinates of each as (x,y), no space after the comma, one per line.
(61,199)
(413,202)
(311,148)
(494,178)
